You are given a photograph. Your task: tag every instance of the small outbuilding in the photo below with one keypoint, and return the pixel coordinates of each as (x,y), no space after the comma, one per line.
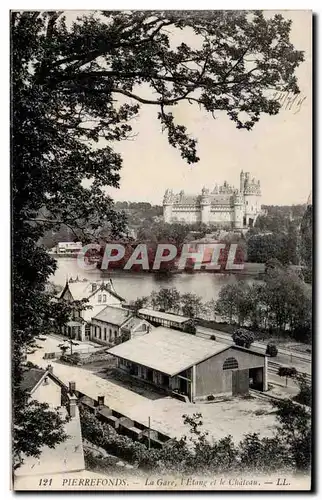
(160,318)
(190,366)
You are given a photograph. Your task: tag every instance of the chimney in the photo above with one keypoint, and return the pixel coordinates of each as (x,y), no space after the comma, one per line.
(50,369)
(72,387)
(100,400)
(72,404)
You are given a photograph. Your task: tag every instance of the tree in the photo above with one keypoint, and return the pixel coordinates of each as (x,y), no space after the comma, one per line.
(294,431)
(75,87)
(304,395)
(191,305)
(243,337)
(139,303)
(287,372)
(271,350)
(166,299)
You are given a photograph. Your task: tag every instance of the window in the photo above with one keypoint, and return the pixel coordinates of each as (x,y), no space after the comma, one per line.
(105,333)
(110,335)
(100,298)
(104,298)
(230,364)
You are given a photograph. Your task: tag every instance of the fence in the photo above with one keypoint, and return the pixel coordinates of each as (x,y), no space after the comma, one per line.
(85,350)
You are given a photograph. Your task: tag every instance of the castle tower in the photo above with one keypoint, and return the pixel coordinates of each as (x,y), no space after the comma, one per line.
(238,211)
(242,182)
(167,206)
(252,194)
(205,204)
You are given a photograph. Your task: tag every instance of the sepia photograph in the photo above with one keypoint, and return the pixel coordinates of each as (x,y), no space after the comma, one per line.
(161,250)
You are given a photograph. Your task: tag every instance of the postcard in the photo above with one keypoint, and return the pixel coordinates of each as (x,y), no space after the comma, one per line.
(161,190)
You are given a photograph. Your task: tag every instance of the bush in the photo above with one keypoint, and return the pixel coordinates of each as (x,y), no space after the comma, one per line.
(243,337)
(124,447)
(271,350)
(213,337)
(190,328)
(73,359)
(211,397)
(304,397)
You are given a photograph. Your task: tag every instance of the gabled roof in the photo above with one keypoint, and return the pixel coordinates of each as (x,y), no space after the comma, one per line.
(32,378)
(168,351)
(114,315)
(83,289)
(133,322)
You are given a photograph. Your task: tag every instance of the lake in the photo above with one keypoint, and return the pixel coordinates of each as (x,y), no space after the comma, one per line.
(132,285)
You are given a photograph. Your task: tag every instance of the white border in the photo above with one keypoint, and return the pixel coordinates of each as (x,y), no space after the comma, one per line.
(4,184)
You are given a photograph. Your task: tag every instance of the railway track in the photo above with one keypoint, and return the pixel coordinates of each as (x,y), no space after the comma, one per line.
(273,367)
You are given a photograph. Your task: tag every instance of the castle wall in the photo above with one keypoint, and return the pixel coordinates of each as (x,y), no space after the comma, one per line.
(223,206)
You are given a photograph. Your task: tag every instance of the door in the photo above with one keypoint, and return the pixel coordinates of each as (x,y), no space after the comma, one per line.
(240,382)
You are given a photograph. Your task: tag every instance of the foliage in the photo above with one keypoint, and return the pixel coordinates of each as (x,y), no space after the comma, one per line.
(306,244)
(304,395)
(288,449)
(243,337)
(63,348)
(191,305)
(213,337)
(41,427)
(271,350)
(75,87)
(273,264)
(190,327)
(287,372)
(166,299)
(294,432)
(139,303)
(235,302)
(279,246)
(281,304)
(72,359)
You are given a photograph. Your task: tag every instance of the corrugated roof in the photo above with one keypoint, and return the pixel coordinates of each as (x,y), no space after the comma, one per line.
(163,315)
(114,315)
(168,351)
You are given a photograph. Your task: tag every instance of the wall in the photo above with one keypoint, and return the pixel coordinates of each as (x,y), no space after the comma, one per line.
(212,379)
(112,332)
(48,393)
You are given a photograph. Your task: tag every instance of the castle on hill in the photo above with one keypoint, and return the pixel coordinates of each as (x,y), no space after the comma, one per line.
(225,205)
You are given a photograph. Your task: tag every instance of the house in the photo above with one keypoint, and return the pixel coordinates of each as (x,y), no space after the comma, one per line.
(160,318)
(99,294)
(43,386)
(193,367)
(67,247)
(114,323)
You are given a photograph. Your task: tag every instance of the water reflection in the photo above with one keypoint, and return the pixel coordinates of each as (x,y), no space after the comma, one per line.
(132,285)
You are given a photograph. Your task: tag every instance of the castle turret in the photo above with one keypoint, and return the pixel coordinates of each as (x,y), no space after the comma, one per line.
(167,206)
(205,204)
(242,182)
(252,194)
(238,211)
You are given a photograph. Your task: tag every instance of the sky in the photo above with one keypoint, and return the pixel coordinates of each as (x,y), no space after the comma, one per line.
(278,151)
